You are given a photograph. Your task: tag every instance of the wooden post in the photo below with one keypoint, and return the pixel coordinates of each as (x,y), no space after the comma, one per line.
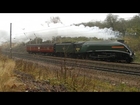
(10,40)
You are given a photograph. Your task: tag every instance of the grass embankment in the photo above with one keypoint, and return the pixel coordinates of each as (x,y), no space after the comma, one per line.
(75,80)
(137,57)
(8,80)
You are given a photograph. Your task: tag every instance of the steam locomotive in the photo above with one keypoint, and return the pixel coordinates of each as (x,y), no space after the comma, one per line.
(94,50)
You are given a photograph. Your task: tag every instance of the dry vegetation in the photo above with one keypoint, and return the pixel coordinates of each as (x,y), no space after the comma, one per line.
(23,76)
(8,81)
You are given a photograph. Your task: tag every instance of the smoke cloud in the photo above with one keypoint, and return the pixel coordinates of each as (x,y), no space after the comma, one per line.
(24,34)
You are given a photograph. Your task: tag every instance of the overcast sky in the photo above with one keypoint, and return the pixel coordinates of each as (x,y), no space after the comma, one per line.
(26,22)
(67,18)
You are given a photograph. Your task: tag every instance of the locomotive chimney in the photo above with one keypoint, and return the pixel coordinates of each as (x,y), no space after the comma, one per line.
(122,41)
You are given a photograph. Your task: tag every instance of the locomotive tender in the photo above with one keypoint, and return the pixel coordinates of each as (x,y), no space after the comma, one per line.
(97,50)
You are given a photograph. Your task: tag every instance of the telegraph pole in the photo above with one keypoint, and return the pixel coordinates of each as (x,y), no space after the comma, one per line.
(35,38)
(10,40)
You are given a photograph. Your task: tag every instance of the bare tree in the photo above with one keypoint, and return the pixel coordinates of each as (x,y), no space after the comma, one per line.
(54,20)
(111,20)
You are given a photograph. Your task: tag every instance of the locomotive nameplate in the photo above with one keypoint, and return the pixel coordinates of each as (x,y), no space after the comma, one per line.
(117,46)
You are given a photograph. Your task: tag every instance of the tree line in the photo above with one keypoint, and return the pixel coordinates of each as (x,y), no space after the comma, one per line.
(124,27)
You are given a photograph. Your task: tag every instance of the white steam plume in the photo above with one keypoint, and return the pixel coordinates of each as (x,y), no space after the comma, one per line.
(46,33)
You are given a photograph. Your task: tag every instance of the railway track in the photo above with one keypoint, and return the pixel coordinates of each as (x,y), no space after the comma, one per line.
(129,69)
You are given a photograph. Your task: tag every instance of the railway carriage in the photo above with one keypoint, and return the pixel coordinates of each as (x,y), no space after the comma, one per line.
(44,48)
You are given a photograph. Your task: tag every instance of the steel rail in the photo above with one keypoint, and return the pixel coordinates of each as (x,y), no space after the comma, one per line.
(130,69)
